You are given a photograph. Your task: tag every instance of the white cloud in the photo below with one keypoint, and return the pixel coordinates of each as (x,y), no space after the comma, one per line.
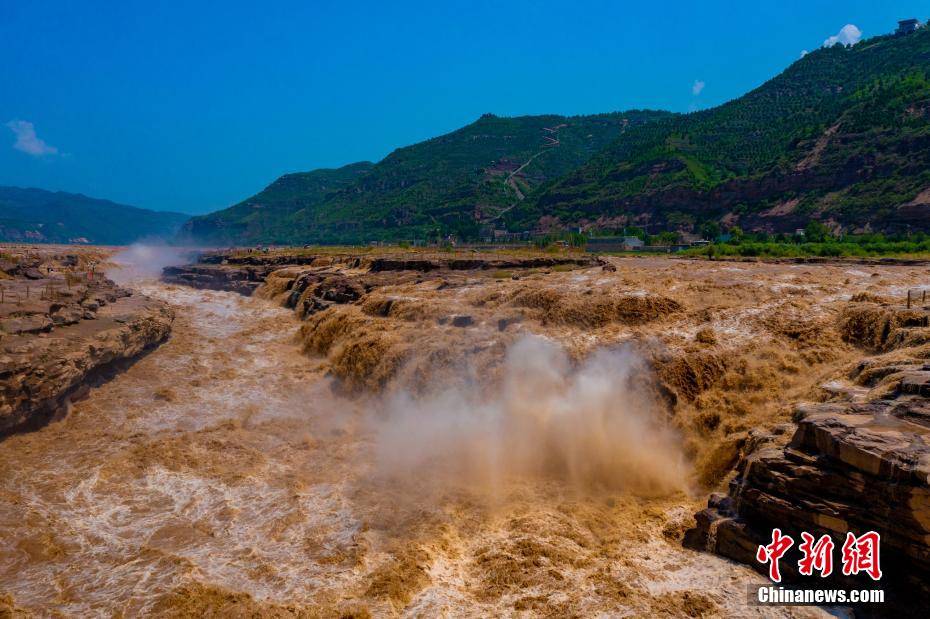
(804,52)
(27,140)
(848,35)
(697,87)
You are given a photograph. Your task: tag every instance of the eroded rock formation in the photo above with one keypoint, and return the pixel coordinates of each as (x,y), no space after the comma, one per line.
(243,280)
(61,330)
(372,315)
(858,462)
(245,272)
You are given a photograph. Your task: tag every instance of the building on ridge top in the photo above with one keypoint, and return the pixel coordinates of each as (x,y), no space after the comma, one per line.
(907,26)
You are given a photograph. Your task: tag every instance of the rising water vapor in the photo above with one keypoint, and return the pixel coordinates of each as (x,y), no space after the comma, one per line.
(594,425)
(140,262)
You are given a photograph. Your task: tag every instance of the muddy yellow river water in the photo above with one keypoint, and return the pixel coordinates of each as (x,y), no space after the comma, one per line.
(221,473)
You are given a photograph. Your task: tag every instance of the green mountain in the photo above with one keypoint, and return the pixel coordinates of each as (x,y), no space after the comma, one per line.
(842,136)
(450,184)
(39,216)
(270,216)
(461,180)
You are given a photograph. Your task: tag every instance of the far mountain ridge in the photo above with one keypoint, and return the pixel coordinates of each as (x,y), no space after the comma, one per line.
(33,215)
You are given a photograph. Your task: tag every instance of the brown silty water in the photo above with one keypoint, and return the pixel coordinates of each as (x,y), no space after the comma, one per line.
(222,473)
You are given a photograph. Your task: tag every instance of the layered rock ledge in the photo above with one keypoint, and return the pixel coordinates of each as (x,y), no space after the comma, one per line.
(61,333)
(243,280)
(858,462)
(398,315)
(245,272)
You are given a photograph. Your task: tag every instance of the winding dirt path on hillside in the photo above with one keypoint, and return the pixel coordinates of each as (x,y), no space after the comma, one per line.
(551,142)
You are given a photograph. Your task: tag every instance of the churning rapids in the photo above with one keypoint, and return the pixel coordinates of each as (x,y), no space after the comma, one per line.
(221,473)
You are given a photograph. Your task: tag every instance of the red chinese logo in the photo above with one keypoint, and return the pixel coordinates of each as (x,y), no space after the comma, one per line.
(817,556)
(860,554)
(773,552)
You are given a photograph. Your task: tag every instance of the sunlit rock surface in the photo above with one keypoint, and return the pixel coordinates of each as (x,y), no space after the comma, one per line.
(63,325)
(857,462)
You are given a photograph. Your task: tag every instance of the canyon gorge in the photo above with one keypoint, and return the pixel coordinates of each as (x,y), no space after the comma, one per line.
(411,433)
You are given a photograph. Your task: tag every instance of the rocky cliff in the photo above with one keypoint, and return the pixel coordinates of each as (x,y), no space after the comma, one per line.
(243,280)
(61,332)
(858,462)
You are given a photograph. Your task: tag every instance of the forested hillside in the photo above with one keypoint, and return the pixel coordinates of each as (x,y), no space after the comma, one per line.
(842,136)
(451,184)
(269,215)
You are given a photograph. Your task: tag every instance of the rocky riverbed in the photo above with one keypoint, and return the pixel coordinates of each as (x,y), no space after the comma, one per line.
(405,434)
(64,326)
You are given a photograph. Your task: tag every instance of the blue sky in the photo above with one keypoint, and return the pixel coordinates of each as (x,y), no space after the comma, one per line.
(172,106)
